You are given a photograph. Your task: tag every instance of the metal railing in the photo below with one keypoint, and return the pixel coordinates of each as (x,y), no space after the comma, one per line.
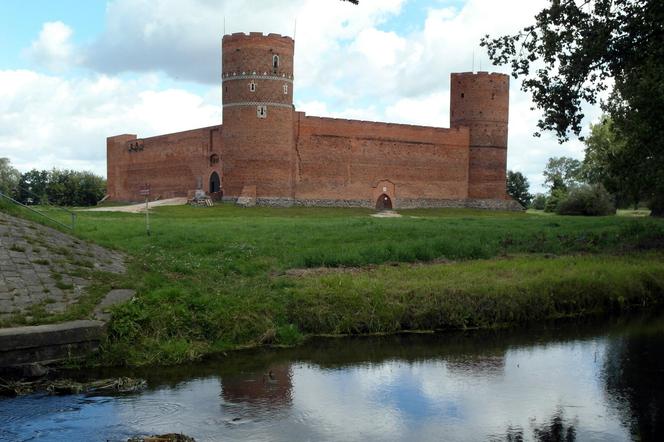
(33,210)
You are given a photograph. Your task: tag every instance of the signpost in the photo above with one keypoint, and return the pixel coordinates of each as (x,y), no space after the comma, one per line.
(145,191)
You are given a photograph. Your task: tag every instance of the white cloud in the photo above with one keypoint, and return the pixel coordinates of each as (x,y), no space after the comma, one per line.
(48,121)
(53,48)
(183,37)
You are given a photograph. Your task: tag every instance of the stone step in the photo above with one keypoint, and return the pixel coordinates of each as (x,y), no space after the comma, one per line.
(49,343)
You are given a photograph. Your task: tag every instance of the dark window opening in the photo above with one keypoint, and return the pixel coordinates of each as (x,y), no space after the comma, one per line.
(214,159)
(462,95)
(215,183)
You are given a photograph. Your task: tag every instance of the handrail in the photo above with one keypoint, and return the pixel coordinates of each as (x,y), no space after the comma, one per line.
(73,214)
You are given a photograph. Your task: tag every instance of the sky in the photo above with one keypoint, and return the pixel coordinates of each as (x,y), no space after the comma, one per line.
(75,72)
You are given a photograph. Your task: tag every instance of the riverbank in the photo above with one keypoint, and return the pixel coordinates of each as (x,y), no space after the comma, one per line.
(214,279)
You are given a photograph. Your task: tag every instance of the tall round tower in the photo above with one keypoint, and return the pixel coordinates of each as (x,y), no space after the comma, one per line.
(257,90)
(480,101)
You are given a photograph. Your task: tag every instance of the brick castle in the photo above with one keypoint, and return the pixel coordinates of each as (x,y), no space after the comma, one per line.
(268,153)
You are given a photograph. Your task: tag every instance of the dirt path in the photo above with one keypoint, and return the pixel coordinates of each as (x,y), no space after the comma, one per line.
(140,207)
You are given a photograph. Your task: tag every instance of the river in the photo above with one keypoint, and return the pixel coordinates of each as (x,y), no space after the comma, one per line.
(593,381)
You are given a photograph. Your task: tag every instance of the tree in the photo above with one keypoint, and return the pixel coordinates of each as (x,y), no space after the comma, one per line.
(587,200)
(562,172)
(604,164)
(568,56)
(9,178)
(517,188)
(91,188)
(32,187)
(539,201)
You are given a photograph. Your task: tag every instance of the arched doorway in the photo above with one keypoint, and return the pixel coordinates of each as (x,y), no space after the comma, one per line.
(384,203)
(215,182)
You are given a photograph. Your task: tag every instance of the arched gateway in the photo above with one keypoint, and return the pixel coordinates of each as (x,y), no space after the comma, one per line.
(384,203)
(215,182)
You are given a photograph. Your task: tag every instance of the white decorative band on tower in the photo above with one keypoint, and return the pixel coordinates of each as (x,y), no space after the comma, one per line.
(258,103)
(227,77)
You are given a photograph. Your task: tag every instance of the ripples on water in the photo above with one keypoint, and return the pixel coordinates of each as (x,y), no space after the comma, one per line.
(550,384)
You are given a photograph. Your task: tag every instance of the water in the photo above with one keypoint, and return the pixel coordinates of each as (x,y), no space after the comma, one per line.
(601,382)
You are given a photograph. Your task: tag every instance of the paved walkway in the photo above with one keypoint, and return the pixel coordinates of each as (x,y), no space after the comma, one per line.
(140,207)
(41,267)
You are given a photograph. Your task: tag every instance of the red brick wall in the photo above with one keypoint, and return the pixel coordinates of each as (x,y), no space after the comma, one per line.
(171,164)
(257,151)
(346,159)
(480,101)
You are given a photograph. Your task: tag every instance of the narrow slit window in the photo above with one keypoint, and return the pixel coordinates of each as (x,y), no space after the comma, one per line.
(285,89)
(252,86)
(261,111)
(275,61)
(462,95)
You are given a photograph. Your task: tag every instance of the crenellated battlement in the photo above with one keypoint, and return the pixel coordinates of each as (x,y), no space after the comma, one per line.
(498,74)
(255,35)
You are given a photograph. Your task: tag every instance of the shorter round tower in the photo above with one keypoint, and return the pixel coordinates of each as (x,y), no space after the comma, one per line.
(257,131)
(480,101)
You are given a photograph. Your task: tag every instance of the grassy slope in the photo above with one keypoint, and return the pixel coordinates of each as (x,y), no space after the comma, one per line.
(482,293)
(215,278)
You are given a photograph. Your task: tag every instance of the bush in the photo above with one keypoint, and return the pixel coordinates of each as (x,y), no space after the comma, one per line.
(553,200)
(587,200)
(538,202)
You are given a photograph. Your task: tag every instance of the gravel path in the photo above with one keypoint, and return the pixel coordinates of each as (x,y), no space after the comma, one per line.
(137,208)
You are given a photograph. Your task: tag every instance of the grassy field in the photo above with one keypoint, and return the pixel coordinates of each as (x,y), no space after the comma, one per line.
(212,279)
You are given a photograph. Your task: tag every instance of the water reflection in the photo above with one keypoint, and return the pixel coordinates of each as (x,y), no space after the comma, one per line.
(564,383)
(634,381)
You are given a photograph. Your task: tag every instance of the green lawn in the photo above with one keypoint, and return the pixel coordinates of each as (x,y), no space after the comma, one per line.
(211,279)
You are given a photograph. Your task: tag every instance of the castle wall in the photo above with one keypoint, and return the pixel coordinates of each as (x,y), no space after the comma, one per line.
(173,165)
(267,153)
(347,160)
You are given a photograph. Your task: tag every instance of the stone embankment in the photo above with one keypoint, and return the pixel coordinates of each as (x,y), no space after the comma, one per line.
(43,274)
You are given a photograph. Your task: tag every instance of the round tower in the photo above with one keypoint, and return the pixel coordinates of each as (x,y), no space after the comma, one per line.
(480,101)
(257,131)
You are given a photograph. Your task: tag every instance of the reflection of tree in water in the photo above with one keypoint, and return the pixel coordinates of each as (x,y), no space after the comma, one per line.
(556,429)
(634,380)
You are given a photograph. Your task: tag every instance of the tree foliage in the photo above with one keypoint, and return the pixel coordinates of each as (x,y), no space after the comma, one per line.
(562,172)
(59,187)
(570,55)
(538,202)
(588,200)
(9,177)
(606,163)
(518,187)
